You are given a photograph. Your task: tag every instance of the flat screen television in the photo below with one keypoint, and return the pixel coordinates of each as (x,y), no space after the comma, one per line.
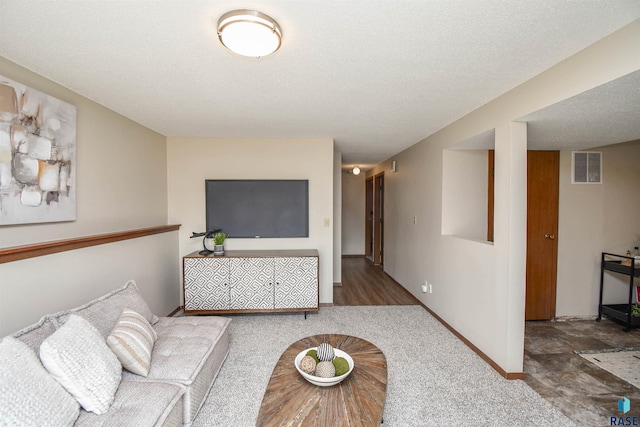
(263,208)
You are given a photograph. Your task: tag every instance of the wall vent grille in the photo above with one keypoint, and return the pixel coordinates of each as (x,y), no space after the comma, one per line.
(586,167)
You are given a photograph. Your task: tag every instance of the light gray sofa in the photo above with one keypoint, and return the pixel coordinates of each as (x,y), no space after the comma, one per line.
(185,360)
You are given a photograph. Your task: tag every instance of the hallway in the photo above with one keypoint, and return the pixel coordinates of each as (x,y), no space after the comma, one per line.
(366,284)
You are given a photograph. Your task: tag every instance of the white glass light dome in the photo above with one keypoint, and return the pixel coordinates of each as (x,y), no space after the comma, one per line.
(249,33)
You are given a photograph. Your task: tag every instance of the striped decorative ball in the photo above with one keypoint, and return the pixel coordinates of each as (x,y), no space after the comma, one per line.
(325,370)
(325,352)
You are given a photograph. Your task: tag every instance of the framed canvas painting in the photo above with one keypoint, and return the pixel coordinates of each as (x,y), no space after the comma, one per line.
(37,156)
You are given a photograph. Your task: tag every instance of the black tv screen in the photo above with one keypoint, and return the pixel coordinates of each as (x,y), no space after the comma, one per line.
(258,208)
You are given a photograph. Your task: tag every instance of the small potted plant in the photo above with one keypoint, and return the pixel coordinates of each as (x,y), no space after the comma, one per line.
(218,243)
(635,310)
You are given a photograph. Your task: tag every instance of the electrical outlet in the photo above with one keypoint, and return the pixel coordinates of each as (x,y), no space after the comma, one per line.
(430,288)
(415,220)
(424,288)
(327,222)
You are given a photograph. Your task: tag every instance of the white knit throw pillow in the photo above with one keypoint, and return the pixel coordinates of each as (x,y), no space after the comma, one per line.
(77,356)
(29,396)
(132,340)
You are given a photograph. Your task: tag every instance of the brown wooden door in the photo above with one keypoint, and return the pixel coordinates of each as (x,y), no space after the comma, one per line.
(368,233)
(542,234)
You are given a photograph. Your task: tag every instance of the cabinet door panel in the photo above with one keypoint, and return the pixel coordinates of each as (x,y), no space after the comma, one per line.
(251,283)
(296,282)
(206,284)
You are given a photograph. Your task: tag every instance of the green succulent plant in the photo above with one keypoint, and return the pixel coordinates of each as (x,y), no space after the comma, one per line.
(635,310)
(219,238)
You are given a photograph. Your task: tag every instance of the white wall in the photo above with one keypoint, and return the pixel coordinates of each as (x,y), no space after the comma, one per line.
(121,185)
(190,161)
(353,213)
(596,218)
(479,288)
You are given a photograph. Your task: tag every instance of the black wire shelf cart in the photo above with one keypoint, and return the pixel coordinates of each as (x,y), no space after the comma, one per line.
(619,312)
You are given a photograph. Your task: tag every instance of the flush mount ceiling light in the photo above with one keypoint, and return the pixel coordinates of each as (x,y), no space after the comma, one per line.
(249,33)
(356,170)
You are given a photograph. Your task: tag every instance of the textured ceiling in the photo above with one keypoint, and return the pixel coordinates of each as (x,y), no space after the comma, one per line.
(376,76)
(607,114)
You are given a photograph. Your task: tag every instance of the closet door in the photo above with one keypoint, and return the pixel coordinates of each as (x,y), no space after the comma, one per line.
(543,171)
(251,283)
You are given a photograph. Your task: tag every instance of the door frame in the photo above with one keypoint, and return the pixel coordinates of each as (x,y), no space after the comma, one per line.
(491,155)
(378,219)
(368,219)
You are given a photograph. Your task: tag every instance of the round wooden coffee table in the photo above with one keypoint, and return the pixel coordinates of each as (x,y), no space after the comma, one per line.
(290,400)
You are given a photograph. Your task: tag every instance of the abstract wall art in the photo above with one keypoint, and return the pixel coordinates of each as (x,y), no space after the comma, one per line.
(37,156)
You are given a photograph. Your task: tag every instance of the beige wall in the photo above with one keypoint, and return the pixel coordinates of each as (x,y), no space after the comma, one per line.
(337,218)
(190,161)
(353,213)
(479,288)
(596,218)
(121,185)
(464,193)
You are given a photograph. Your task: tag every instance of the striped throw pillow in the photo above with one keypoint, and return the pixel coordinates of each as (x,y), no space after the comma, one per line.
(132,341)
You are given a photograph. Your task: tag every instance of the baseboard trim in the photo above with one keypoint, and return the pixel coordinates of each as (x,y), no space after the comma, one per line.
(174,312)
(483,356)
(573,318)
(326,304)
(406,291)
(352,256)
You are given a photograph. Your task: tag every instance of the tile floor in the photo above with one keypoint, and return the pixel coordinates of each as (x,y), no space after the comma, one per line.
(582,391)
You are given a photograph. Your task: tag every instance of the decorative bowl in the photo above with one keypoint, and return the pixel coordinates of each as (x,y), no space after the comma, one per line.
(320,381)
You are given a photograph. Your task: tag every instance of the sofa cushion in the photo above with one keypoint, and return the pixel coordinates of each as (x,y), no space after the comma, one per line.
(132,340)
(189,351)
(79,359)
(33,335)
(29,396)
(103,312)
(140,404)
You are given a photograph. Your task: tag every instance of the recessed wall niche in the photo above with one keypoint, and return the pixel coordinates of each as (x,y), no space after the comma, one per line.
(465,189)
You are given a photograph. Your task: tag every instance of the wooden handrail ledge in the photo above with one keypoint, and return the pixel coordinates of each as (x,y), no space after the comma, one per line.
(17,253)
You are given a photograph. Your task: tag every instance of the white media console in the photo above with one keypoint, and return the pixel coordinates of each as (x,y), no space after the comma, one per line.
(247,281)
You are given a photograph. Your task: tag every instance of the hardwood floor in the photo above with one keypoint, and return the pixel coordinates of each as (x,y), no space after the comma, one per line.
(366,284)
(581,390)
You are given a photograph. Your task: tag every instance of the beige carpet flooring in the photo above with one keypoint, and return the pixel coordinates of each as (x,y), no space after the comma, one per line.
(433,378)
